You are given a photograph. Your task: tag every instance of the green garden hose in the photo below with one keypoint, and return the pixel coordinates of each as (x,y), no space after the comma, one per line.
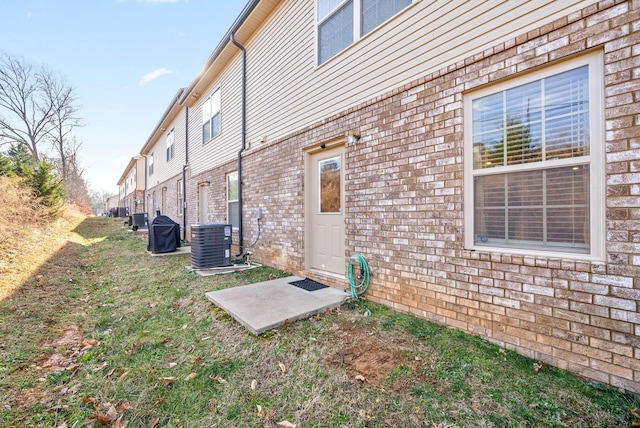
(357,290)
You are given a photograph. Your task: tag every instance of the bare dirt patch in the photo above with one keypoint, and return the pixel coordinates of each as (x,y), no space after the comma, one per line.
(370,359)
(66,348)
(30,396)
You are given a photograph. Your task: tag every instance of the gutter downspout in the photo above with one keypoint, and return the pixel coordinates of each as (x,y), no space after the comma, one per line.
(244,142)
(184,174)
(144,193)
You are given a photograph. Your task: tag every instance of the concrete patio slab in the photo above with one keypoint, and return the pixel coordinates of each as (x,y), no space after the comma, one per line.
(177,252)
(223,269)
(267,305)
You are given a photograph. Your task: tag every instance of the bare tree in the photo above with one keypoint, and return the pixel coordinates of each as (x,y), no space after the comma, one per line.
(64,119)
(37,107)
(26,107)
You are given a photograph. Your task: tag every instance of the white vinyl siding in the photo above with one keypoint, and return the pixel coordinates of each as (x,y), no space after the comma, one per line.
(172,148)
(225,146)
(533,165)
(422,38)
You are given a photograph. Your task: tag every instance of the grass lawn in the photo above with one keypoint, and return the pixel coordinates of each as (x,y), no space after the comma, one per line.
(102,334)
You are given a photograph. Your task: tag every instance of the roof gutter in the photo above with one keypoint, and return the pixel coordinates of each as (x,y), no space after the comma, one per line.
(151,139)
(243,139)
(229,36)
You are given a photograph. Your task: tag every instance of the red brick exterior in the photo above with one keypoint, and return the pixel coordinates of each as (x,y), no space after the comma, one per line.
(404,206)
(171,200)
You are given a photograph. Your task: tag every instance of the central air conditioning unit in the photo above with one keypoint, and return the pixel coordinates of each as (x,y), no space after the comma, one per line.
(210,246)
(141,220)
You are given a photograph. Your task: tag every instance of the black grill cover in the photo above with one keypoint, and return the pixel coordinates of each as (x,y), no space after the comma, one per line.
(164,235)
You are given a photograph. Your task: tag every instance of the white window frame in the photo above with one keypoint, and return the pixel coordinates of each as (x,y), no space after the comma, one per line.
(230,201)
(171,140)
(595,159)
(357,24)
(211,107)
(180,195)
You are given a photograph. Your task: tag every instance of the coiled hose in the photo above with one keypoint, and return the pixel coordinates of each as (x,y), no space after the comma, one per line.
(359,289)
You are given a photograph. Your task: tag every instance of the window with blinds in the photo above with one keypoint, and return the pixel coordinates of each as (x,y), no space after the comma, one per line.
(171,148)
(211,117)
(530,143)
(375,12)
(150,163)
(341,22)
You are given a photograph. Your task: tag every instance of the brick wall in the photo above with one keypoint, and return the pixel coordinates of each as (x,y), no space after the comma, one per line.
(404,206)
(139,207)
(171,200)
(216,188)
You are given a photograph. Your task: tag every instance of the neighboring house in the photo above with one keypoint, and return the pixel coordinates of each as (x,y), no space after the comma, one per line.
(111,204)
(165,151)
(482,156)
(131,186)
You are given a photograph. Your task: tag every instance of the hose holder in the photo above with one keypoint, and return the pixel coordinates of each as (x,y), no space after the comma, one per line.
(358,284)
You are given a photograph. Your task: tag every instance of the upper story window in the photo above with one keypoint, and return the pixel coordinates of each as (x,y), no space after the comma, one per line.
(341,22)
(211,117)
(170,145)
(533,162)
(150,164)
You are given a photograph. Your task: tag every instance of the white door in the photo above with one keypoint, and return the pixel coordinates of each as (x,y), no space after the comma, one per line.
(203,214)
(325,240)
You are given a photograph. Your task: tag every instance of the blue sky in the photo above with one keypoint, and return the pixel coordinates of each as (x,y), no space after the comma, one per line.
(126,58)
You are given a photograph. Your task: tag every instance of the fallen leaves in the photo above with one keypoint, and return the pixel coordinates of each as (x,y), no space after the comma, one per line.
(168,380)
(114,414)
(191,376)
(133,349)
(286,424)
(119,423)
(218,379)
(106,418)
(87,344)
(634,412)
(73,367)
(282,367)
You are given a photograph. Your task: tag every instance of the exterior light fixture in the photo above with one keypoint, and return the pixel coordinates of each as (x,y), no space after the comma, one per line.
(353,137)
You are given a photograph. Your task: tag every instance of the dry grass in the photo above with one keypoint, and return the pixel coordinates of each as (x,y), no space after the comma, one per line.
(27,236)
